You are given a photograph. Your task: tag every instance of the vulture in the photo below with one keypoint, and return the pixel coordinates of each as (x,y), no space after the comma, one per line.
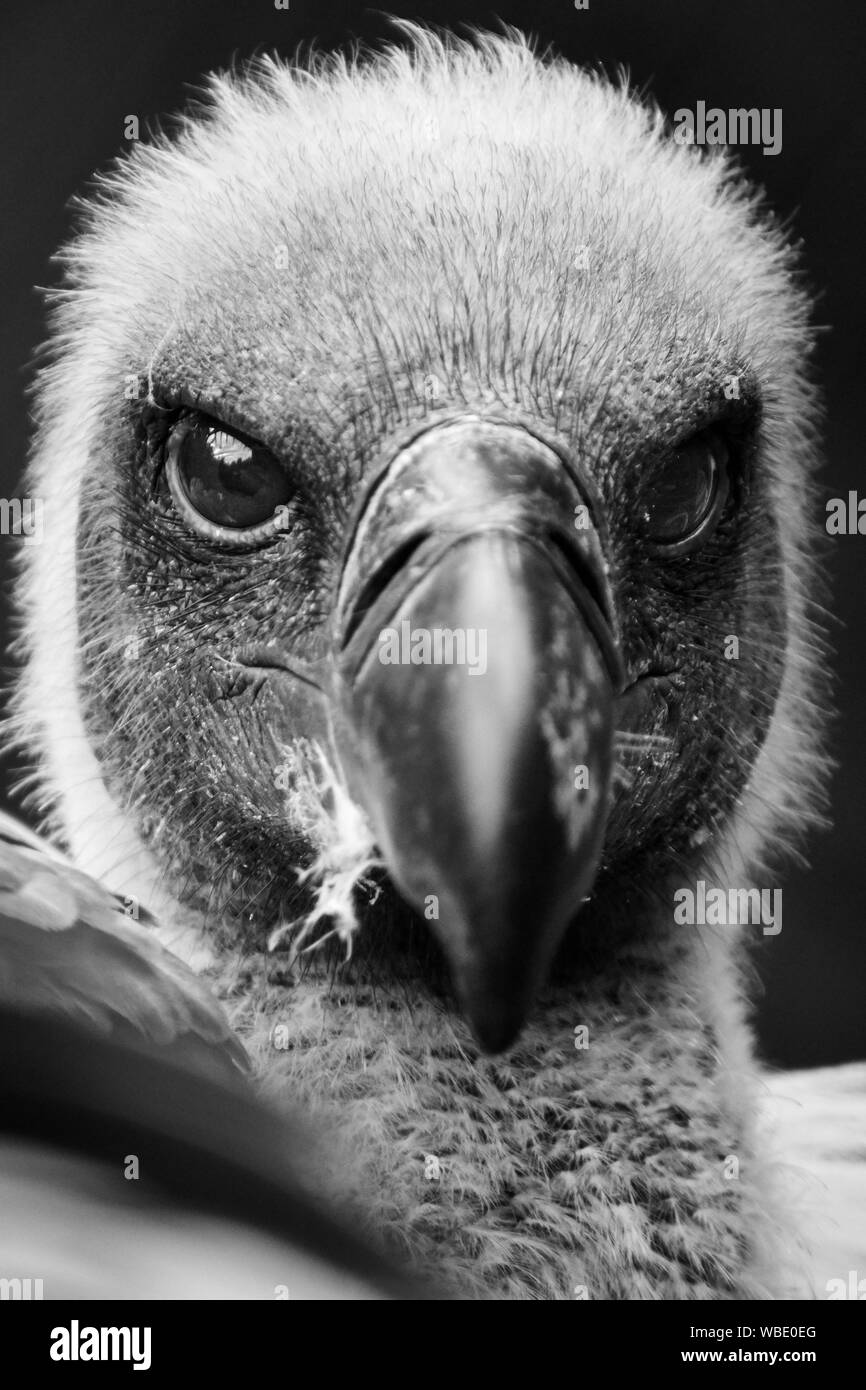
(428,609)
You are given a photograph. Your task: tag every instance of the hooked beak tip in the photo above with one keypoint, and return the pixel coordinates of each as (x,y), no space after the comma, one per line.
(494,1021)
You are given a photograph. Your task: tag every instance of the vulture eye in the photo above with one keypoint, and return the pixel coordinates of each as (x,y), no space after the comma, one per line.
(686,496)
(227,488)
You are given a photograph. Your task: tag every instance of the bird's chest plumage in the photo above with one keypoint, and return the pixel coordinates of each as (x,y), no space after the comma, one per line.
(606,1156)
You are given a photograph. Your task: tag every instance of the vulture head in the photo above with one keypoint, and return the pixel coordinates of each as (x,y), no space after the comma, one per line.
(425,600)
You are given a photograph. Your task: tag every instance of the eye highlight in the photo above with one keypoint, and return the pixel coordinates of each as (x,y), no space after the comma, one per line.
(226,487)
(686,496)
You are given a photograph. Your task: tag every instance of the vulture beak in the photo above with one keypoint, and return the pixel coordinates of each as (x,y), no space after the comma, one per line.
(477,673)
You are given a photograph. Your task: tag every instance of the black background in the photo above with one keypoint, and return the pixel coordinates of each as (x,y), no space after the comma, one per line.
(71,72)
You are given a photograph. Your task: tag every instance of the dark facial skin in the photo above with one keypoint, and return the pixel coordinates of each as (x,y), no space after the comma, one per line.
(191,713)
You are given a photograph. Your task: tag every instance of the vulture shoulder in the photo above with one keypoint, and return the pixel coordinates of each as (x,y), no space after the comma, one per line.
(70,948)
(135,1161)
(815,1128)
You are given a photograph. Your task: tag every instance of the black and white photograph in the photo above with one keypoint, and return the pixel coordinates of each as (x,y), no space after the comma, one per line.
(432,559)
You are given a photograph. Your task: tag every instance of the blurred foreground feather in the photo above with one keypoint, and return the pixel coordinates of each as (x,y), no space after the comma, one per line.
(134,1160)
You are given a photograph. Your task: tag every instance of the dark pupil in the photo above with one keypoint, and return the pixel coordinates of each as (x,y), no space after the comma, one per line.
(231,483)
(681,495)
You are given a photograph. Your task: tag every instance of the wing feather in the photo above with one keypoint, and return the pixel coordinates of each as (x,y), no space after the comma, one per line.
(817,1124)
(68,947)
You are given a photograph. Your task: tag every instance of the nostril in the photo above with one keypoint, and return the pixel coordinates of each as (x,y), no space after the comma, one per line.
(583,569)
(378,582)
(585,579)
